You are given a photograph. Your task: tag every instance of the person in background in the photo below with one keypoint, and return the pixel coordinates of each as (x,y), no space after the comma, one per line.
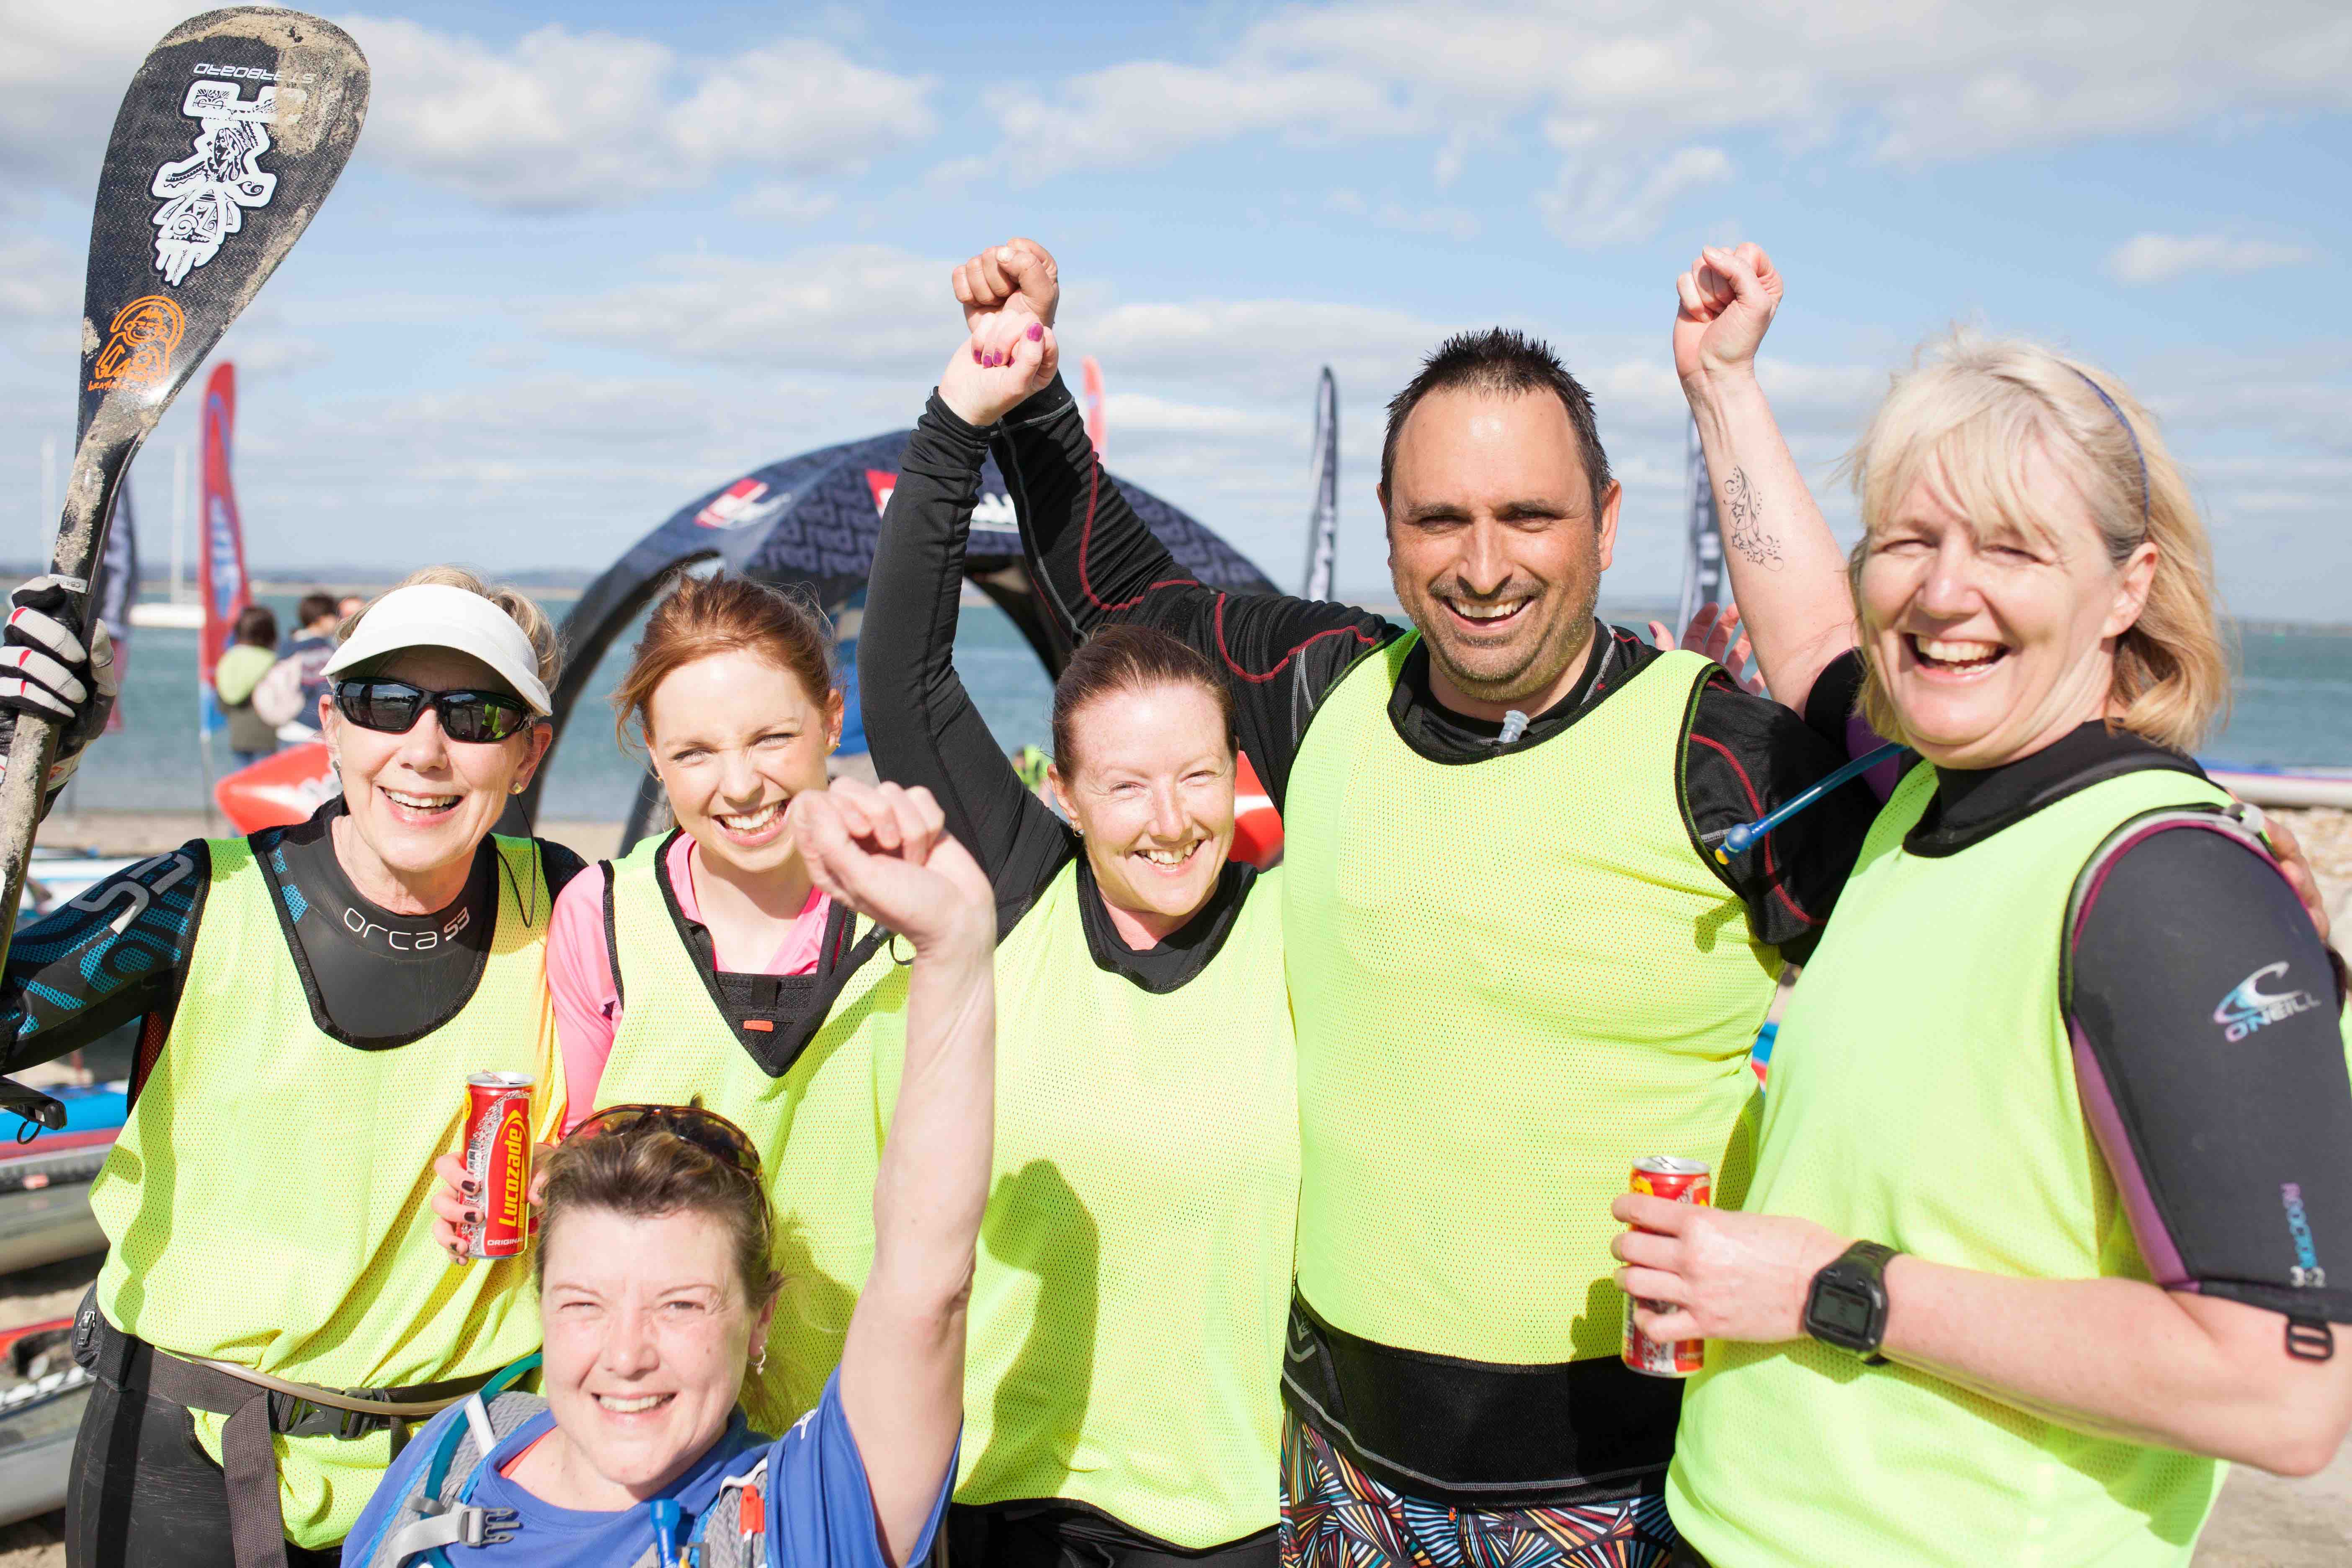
(347,606)
(2052,1172)
(240,670)
(656,1280)
(302,666)
(1123,1403)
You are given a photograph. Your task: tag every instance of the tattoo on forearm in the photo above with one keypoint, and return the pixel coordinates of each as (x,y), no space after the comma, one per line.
(1746,519)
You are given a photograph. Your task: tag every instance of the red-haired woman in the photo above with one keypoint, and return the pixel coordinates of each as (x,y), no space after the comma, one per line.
(1121,1401)
(707,961)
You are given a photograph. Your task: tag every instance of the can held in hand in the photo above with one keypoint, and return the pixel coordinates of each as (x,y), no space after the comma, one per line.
(498,1157)
(1684,1181)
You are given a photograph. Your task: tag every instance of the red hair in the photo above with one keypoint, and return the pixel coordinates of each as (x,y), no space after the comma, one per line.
(705,615)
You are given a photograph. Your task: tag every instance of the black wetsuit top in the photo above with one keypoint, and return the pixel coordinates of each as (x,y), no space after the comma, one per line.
(1093,560)
(2237,1184)
(924,729)
(376,979)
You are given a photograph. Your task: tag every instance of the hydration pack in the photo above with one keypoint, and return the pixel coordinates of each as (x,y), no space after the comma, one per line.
(438,1511)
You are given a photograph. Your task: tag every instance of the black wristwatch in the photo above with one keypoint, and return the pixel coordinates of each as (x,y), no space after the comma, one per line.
(1847,1305)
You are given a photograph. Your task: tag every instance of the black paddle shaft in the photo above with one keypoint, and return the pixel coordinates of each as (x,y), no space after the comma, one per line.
(233,132)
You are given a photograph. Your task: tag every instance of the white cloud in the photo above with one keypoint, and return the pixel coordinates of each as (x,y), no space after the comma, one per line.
(36,282)
(560,118)
(1148,110)
(1599,202)
(62,76)
(2161,257)
(784,203)
(568,120)
(1915,82)
(1454,223)
(857,308)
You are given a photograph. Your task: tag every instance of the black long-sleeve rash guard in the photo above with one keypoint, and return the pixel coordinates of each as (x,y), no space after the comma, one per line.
(376,979)
(1093,561)
(922,728)
(2207,1050)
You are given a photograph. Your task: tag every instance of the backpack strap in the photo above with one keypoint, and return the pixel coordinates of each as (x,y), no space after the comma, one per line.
(734,1532)
(434,1517)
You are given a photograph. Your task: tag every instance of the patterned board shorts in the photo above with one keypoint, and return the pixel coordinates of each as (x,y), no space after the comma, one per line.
(1335,1516)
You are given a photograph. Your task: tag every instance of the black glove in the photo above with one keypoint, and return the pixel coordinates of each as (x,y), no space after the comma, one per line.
(46,670)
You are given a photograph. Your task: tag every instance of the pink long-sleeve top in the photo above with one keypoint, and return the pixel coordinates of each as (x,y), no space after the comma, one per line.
(580,968)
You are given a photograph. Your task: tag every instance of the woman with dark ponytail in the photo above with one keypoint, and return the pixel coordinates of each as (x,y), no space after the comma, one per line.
(1121,1401)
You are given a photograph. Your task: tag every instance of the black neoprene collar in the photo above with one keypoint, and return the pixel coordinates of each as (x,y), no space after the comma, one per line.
(374,980)
(1442,736)
(1971,805)
(774,1016)
(1186,951)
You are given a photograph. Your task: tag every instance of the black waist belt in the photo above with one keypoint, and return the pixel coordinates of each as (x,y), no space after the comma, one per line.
(1478,1434)
(255,1413)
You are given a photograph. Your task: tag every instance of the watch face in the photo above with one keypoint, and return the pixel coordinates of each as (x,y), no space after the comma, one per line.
(1841,1311)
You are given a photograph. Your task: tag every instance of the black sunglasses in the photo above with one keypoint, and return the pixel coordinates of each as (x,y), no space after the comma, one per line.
(393,707)
(706,1130)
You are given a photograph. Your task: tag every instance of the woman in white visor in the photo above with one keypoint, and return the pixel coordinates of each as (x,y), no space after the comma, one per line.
(273,1312)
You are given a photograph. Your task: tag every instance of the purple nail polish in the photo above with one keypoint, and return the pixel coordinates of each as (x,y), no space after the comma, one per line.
(1036,331)
(975,357)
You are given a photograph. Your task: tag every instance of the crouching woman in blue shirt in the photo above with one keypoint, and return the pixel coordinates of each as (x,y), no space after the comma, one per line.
(655,1286)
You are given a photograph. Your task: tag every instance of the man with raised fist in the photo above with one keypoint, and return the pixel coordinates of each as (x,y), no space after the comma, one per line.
(1514,969)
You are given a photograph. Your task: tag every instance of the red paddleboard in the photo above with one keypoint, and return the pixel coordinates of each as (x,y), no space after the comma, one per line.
(1257,827)
(279,790)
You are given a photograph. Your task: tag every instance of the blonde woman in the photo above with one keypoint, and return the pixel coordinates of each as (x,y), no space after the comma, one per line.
(313,998)
(2053,1167)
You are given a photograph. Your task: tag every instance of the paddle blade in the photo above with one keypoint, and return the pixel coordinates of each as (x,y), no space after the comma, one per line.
(233,131)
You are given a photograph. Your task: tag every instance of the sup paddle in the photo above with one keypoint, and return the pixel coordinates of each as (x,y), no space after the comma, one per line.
(233,132)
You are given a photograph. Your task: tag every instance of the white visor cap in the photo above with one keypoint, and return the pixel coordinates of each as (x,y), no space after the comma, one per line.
(434,614)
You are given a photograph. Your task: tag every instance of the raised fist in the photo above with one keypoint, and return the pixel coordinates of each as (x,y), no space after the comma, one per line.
(1010,357)
(1728,297)
(1021,269)
(885,851)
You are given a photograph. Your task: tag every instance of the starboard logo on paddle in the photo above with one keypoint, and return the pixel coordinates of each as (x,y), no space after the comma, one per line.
(139,343)
(207,192)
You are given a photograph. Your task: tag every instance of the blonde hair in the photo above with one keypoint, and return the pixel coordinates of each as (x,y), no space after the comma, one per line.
(1963,419)
(519,606)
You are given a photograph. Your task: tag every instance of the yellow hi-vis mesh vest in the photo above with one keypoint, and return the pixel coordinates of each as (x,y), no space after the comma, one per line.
(1134,1270)
(268,1202)
(818,1128)
(1512,978)
(1924,1096)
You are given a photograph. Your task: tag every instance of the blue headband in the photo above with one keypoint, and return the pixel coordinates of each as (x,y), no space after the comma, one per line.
(2130,434)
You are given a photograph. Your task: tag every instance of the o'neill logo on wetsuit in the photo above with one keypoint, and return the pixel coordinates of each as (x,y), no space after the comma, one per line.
(2249,1007)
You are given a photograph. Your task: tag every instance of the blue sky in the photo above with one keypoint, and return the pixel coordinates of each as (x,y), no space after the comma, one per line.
(591,261)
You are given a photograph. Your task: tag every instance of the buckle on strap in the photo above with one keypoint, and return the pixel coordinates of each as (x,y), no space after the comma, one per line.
(465,1525)
(291,1415)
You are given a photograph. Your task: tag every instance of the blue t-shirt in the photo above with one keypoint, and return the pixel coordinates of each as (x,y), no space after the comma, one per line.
(820,1513)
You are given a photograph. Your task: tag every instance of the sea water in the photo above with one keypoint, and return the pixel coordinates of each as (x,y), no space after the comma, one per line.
(2293,707)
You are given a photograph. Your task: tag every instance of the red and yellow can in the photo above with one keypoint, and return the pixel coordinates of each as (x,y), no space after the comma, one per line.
(498,1157)
(1682,1182)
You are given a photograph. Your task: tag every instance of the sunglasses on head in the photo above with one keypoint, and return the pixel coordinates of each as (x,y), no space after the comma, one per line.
(393,707)
(706,1130)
